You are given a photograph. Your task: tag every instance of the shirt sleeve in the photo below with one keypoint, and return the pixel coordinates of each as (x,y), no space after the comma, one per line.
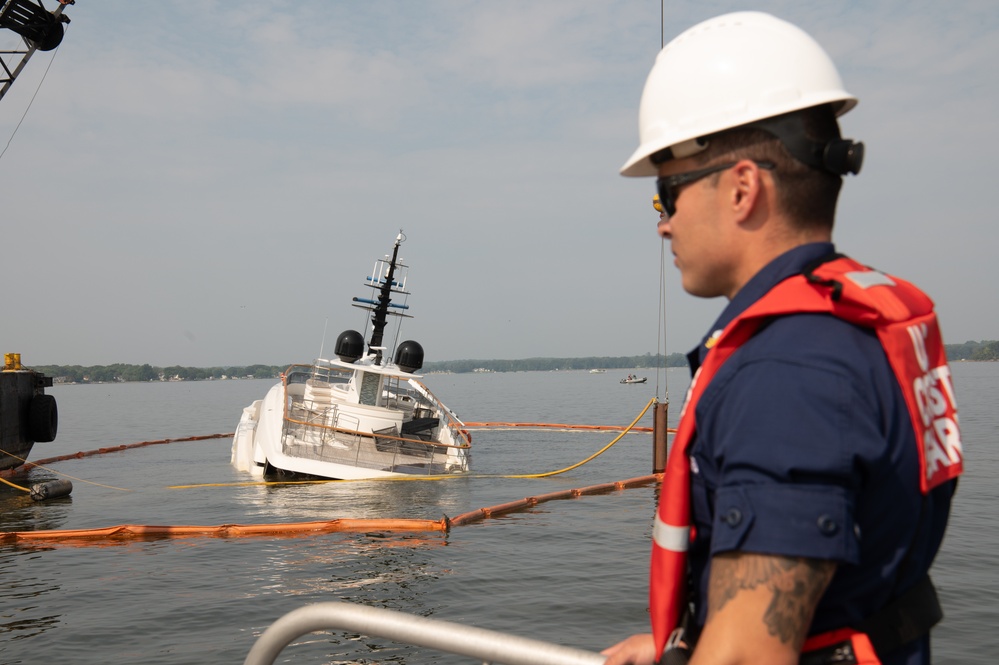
(786,441)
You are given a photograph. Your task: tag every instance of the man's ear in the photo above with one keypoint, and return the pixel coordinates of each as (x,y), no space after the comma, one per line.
(746,191)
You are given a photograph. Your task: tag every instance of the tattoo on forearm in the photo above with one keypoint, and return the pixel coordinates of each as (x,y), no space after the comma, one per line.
(795,586)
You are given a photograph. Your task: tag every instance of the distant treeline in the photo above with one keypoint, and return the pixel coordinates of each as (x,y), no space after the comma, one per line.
(985,350)
(121,372)
(561,364)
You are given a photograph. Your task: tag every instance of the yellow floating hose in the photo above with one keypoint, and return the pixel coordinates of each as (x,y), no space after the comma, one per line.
(17,487)
(594,455)
(418,478)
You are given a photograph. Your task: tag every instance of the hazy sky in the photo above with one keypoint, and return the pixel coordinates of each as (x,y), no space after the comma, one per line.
(207,183)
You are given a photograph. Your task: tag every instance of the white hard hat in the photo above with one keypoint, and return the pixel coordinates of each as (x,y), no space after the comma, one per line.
(726,72)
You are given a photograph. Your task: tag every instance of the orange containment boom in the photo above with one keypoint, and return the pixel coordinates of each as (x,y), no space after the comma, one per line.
(126,532)
(531,501)
(292,529)
(27,466)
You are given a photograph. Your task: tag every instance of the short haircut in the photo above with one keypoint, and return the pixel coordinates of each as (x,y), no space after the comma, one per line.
(805,194)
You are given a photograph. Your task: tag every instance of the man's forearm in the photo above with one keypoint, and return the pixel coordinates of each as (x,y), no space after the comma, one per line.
(760,608)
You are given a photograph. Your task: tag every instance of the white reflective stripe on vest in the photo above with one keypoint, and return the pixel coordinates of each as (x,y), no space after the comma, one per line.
(868,278)
(672,538)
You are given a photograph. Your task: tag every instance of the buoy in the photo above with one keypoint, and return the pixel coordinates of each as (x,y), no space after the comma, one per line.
(51,490)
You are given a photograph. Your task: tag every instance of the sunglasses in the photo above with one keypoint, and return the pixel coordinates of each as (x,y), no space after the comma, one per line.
(669,185)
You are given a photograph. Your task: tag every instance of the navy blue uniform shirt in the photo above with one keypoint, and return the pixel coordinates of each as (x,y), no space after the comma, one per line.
(804,448)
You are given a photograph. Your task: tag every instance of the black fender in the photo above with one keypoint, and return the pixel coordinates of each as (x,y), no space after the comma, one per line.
(43,418)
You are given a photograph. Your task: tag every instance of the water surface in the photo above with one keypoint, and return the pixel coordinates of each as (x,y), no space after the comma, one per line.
(573,572)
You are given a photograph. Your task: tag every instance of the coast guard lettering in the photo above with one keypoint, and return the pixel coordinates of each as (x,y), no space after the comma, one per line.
(932,392)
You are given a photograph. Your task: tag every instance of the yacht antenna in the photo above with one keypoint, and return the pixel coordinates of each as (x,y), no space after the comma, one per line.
(379,312)
(322,343)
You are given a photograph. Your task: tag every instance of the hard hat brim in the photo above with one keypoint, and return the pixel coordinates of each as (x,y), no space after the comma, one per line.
(726,72)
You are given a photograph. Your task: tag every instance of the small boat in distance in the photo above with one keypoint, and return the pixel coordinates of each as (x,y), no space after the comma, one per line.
(597,371)
(361,415)
(633,378)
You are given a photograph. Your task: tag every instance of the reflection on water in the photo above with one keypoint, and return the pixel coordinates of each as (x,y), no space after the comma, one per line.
(416,499)
(19,512)
(27,628)
(25,596)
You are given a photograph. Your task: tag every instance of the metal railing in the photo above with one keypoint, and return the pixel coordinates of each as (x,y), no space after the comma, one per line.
(311,424)
(488,646)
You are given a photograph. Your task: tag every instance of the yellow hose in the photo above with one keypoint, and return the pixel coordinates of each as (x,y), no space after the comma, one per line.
(594,455)
(17,487)
(447,477)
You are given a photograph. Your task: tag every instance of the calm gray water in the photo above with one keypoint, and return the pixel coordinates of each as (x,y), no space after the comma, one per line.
(573,572)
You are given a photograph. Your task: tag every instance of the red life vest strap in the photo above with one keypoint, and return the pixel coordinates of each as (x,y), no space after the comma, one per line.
(906,618)
(850,648)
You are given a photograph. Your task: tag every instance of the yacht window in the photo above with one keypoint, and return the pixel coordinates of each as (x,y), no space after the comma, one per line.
(369,389)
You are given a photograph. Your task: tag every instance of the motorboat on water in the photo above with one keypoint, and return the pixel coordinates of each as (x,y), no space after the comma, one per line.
(364,414)
(635,379)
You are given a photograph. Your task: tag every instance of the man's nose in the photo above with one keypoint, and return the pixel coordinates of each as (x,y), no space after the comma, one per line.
(663,227)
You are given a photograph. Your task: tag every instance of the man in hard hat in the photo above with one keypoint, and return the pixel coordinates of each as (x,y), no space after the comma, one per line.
(809,484)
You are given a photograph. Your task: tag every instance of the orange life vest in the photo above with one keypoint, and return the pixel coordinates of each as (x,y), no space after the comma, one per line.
(905,323)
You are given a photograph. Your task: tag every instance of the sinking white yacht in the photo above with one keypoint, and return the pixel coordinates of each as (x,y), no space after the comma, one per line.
(361,415)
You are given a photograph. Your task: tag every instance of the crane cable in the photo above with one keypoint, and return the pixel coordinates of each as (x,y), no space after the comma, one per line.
(37,465)
(661,337)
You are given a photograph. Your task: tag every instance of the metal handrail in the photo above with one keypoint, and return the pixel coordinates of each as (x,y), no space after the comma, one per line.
(489,646)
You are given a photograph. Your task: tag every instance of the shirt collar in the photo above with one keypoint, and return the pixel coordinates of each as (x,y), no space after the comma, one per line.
(788,264)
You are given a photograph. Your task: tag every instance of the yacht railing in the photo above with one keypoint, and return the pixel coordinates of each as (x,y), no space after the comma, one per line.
(326,374)
(487,646)
(316,430)
(453,424)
